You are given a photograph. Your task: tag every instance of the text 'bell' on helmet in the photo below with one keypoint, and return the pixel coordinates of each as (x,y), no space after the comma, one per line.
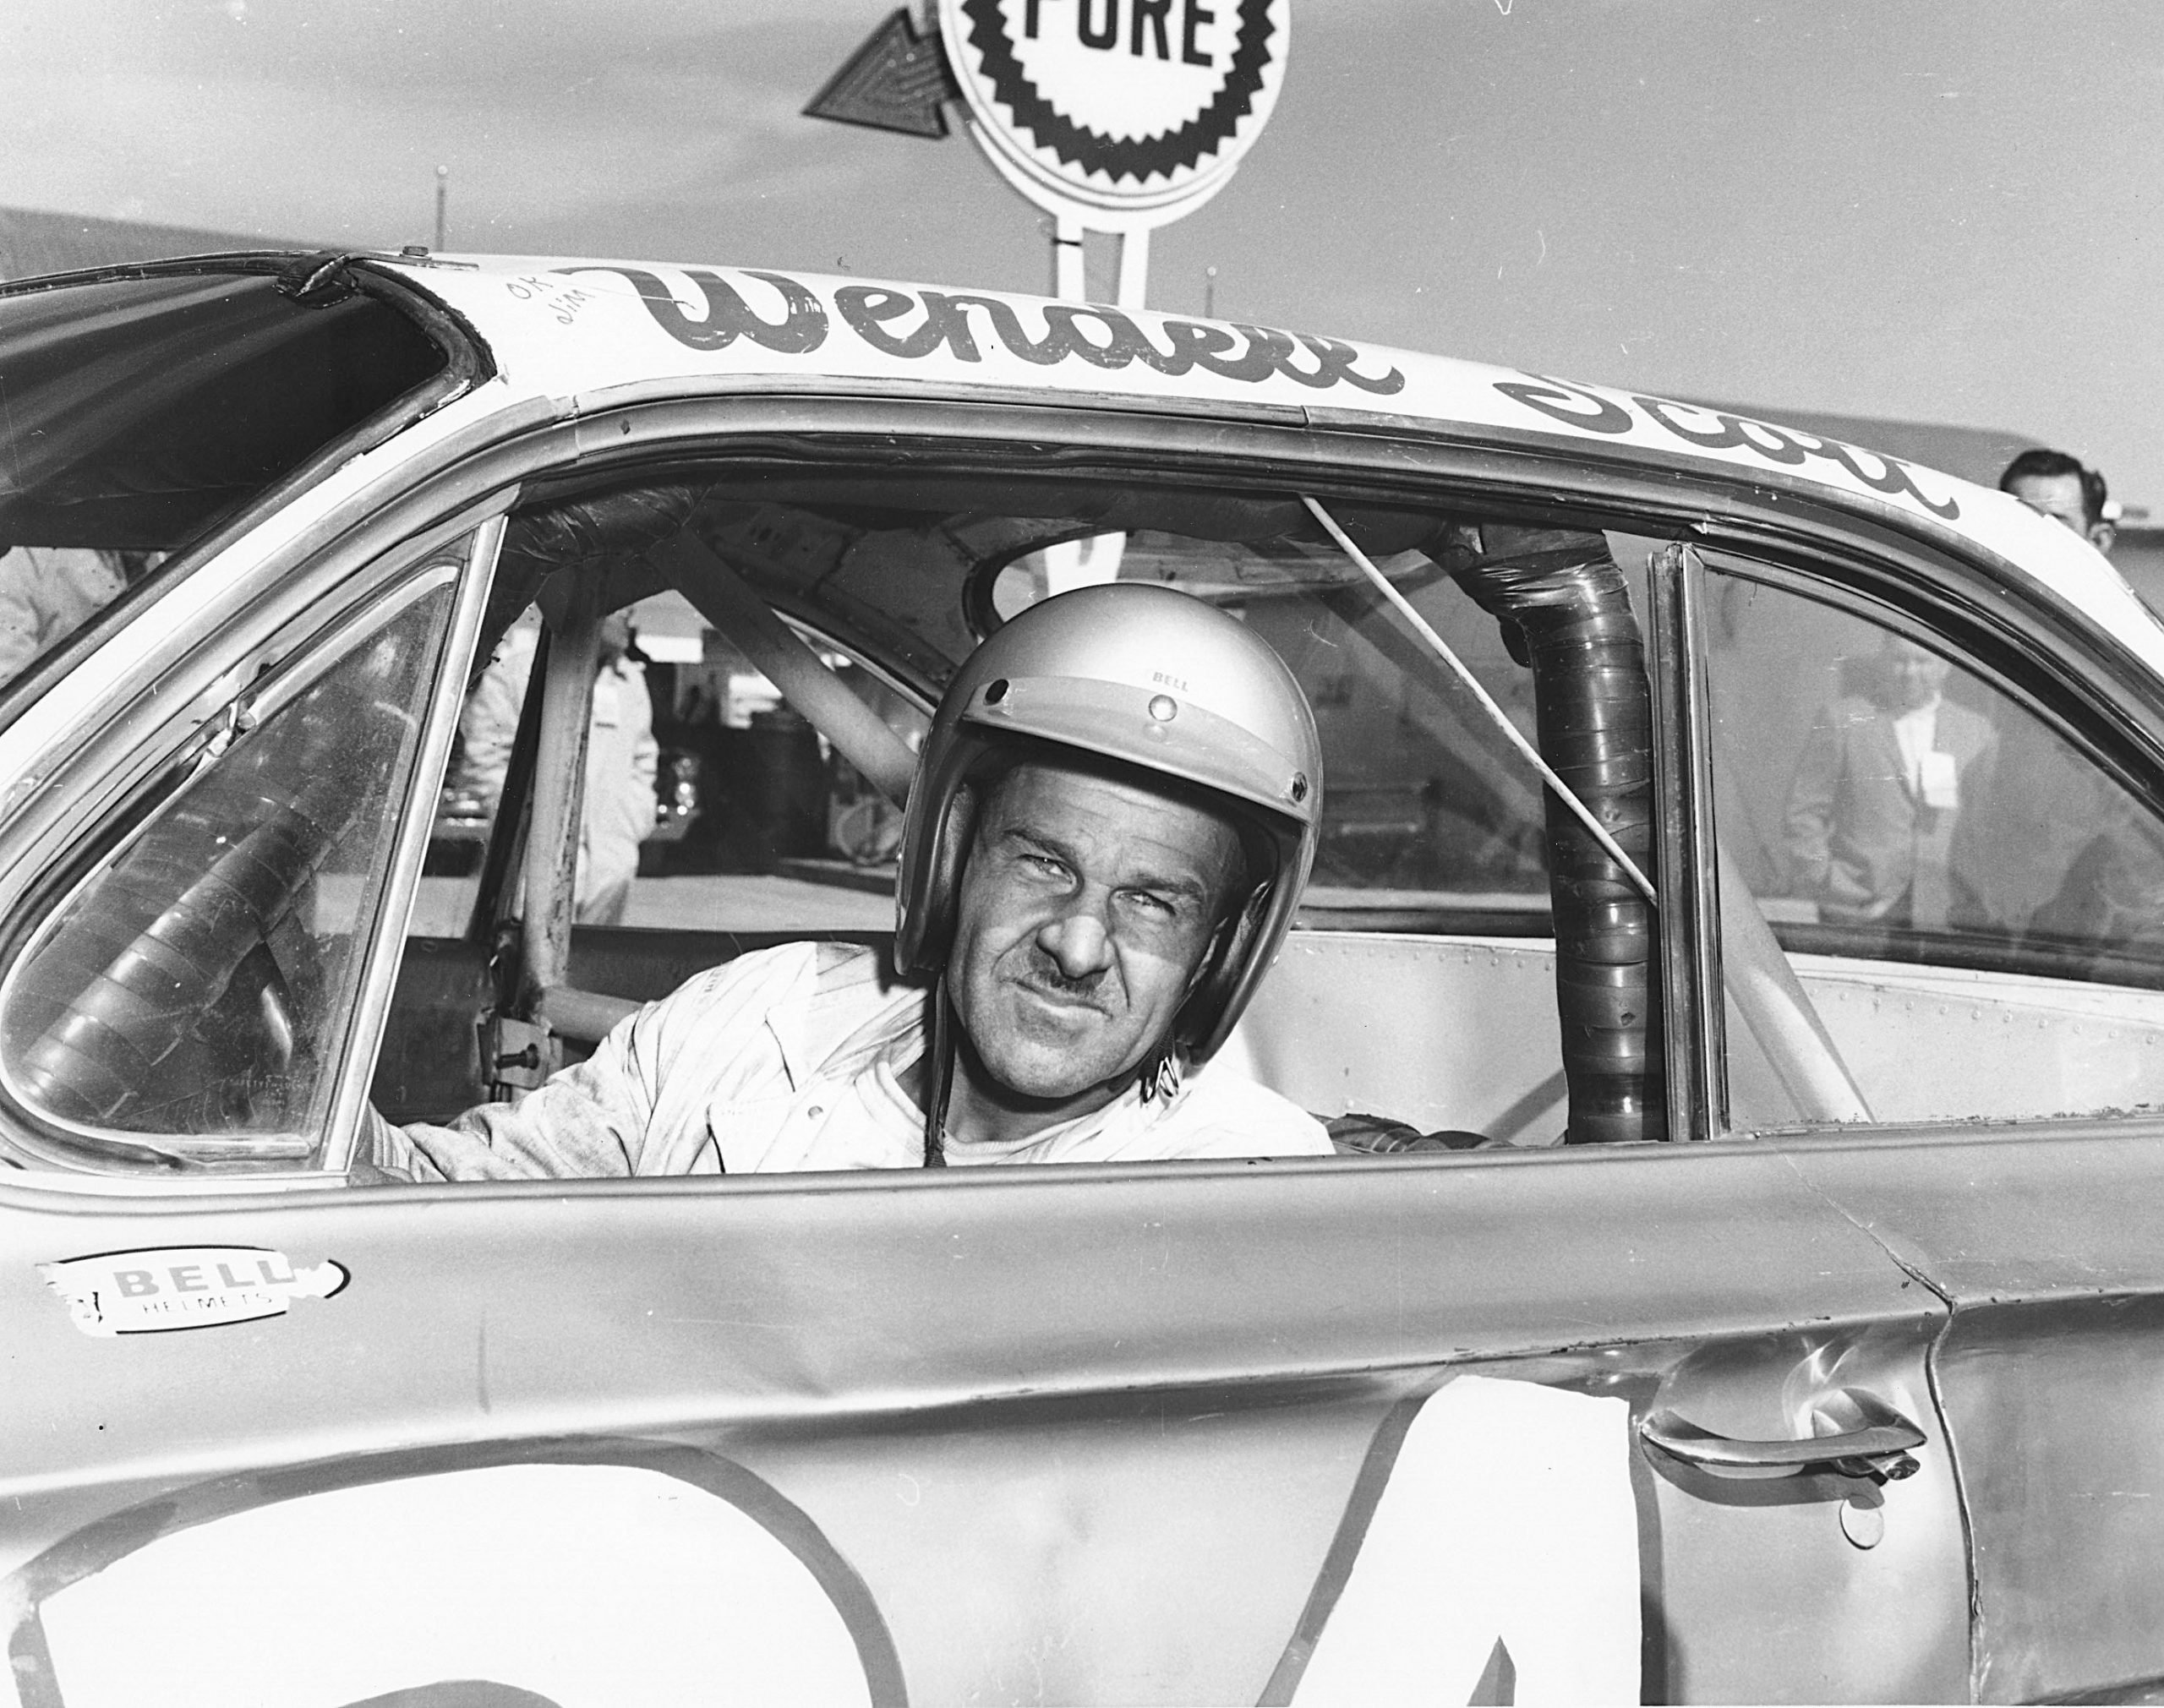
(1151,677)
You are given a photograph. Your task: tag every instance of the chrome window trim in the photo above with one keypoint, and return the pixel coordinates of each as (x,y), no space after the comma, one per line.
(468,365)
(1689,920)
(385,948)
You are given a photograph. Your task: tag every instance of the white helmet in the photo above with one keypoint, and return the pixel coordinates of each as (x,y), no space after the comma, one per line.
(1151,677)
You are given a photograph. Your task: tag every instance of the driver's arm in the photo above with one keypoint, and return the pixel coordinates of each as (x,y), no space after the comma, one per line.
(588,1121)
(643,1104)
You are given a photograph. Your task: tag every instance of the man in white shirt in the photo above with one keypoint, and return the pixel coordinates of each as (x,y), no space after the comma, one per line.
(1884,783)
(1112,820)
(619,810)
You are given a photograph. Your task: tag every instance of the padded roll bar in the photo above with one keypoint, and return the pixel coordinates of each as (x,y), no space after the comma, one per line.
(1566,611)
(725,600)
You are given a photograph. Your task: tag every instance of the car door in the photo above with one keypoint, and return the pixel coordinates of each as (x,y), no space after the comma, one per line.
(1534,1419)
(1991,989)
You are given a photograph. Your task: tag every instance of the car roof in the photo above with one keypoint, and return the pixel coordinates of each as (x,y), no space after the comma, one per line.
(591,334)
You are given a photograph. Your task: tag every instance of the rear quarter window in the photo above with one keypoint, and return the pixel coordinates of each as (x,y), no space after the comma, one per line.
(138,415)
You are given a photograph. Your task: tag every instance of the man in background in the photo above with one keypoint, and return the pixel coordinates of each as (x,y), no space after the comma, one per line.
(1886,777)
(619,810)
(2054,484)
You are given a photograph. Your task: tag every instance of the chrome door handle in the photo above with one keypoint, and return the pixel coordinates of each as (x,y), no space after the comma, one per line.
(1878,1447)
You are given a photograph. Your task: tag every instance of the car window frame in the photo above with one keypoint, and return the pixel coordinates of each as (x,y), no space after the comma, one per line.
(1916,562)
(292,643)
(657,436)
(2084,708)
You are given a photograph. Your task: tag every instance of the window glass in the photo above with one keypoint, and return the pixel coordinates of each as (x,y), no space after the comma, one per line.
(195,986)
(1933,907)
(136,415)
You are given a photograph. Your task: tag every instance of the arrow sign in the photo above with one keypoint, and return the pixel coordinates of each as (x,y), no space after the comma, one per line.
(895,81)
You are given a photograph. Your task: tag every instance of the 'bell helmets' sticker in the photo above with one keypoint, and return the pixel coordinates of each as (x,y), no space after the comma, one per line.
(168,1287)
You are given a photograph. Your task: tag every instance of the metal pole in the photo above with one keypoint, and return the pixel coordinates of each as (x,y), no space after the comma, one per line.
(1133,268)
(1066,280)
(1209,293)
(443,196)
(748,622)
(560,791)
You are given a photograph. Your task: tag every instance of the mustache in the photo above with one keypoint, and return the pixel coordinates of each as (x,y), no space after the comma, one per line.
(1042,972)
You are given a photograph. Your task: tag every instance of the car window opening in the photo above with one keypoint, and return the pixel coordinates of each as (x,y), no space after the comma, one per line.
(742,551)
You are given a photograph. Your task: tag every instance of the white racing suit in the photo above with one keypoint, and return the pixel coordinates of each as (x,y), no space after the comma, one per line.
(788,1060)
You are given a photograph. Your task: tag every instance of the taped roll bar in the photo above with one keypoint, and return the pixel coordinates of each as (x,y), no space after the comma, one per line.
(1566,611)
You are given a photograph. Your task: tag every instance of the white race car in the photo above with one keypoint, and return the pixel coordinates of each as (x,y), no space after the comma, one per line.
(1737,1277)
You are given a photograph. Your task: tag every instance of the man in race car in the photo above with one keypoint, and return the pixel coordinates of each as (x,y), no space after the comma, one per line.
(1112,820)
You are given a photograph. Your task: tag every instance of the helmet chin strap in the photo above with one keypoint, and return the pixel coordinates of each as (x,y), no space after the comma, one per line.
(938,1076)
(1162,1074)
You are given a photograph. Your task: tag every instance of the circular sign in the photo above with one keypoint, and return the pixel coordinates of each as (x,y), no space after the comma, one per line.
(1127,113)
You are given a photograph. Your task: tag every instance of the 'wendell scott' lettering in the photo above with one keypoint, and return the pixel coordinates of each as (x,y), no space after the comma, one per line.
(1101,338)
(1785,447)
(912,325)
(802,329)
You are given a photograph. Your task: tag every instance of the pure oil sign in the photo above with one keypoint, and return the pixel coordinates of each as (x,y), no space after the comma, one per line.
(1148,23)
(1123,105)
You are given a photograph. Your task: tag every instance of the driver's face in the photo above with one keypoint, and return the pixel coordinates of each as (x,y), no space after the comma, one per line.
(1086,908)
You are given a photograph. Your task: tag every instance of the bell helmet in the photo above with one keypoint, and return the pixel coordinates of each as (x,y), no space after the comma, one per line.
(1149,678)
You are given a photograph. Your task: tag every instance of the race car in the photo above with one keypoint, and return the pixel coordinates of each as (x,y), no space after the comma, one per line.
(1733,980)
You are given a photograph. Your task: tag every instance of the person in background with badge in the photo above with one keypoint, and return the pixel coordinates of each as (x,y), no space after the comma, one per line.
(621,757)
(1886,780)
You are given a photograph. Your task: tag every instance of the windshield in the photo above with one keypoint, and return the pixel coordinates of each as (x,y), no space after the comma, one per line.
(138,414)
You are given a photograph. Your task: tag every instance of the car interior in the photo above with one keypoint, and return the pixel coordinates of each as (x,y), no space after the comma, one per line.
(843,587)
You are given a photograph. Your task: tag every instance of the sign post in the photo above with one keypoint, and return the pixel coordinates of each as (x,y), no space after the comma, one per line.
(1113,115)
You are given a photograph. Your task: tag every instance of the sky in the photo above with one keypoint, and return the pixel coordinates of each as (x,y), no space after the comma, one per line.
(1929,209)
